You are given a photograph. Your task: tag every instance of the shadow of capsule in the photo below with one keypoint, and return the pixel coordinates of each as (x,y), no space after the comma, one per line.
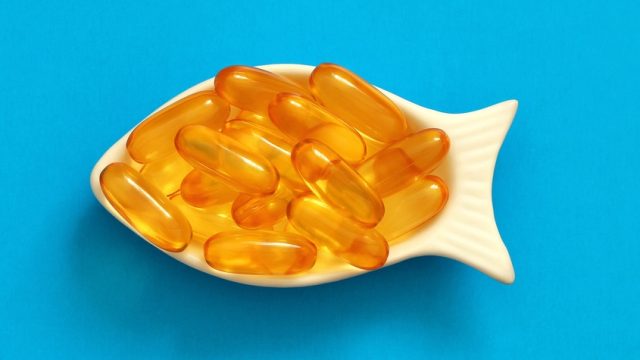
(131,285)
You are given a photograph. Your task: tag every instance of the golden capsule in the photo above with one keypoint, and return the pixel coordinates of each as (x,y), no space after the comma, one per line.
(256,119)
(205,222)
(357,103)
(203,190)
(166,174)
(261,212)
(331,179)
(412,206)
(251,88)
(300,118)
(153,138)
(361,247)
(145,207)
(281,225)
(395,166)
(219,155)
(299,78)
(260,252)
(270,144)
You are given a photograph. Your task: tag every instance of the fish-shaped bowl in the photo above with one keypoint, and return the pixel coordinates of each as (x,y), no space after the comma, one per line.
(465,230)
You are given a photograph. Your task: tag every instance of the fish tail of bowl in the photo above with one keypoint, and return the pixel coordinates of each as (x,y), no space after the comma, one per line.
(466,229)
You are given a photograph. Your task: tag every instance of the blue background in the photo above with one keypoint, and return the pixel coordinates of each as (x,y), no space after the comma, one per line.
(75,76)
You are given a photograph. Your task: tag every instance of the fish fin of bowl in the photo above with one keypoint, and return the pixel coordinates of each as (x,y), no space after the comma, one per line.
(466,229)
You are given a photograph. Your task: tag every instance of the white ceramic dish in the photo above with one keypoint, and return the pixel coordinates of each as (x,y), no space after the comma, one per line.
(465,230)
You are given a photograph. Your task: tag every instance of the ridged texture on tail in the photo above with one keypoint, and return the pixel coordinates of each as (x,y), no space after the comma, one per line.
(466,229)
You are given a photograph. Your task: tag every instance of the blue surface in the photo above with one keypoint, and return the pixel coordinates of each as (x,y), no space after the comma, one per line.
(75,76)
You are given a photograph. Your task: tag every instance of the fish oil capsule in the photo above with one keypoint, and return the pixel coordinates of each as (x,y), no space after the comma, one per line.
(412,206)
(260,252)
(256,119)
(300,118)
(205,222)
(252,89)
(395,166)
(153,138)
(361,247)
(357,103)
(270,144)
(203,190)
(331,179)
(219,155)
(166,174)
(145,208)
(299,78)
(256,212)
(281,225)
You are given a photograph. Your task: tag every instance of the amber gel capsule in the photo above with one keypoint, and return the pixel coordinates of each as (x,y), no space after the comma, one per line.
(260,252)
(166,174)
(335,182)
(255,212)
(412,206)
(251,88)
(357,103)
(205,222)
(361,247)
(395,166)
(270,144)
(219,155)
(256,119)
(145,207)
(300,118)
(153,138)
(203,190)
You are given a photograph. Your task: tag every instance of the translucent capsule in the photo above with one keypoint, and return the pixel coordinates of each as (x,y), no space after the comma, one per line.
(256,119)
(299,78)
(300,118)
(203,190)
(261,212)
(357,103)
(206,222)
(412,206)
(395,166)
(145,207)
(281,225)
(217,154)
(361,247)
(260,252)
(166,174)
(153,138)
(335,182)
(251,88)
(270,144)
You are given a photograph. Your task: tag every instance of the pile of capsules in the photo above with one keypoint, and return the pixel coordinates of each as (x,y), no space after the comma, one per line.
(267,174)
